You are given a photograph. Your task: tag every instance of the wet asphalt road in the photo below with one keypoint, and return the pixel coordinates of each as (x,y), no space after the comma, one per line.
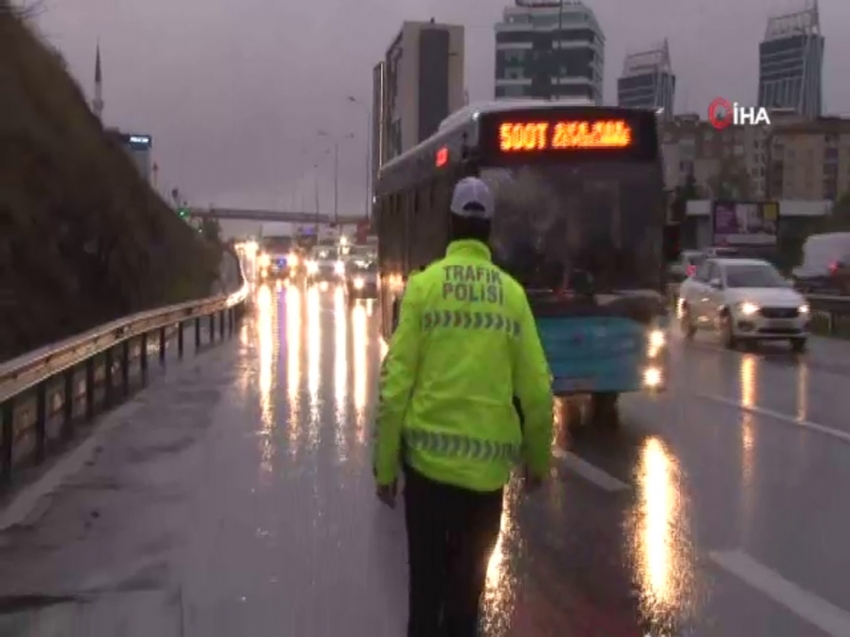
(234,497)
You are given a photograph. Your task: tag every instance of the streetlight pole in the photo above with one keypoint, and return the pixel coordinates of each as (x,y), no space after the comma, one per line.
(335,139)
(369,133)
(336,185)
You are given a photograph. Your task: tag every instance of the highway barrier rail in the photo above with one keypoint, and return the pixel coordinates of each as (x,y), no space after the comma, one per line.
(831,314)
(44,394)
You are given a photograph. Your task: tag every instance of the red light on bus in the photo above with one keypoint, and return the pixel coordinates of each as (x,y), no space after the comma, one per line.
(568,135)
(442,157)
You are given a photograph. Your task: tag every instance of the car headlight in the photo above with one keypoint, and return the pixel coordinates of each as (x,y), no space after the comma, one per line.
(265,260)
(293,260)
(748,309)
(359,283)
(339,268)
(804,308)
(312,267)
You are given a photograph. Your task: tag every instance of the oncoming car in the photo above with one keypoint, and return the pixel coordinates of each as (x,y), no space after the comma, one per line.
(324,268)
(744,300)
(361,280)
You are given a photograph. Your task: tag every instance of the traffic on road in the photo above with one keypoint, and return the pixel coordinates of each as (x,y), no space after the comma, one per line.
(237,498)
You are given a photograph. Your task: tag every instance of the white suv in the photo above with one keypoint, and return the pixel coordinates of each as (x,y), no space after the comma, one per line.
(744,300)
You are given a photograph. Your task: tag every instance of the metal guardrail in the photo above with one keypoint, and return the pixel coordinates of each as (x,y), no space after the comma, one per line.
(835,309)
(35,376)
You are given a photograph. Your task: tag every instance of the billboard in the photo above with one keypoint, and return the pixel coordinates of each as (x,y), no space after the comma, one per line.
(744,223)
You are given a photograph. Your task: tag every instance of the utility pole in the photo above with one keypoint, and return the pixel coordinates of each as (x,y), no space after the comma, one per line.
(316,182)
(368,163)
(336,184)
(369,159)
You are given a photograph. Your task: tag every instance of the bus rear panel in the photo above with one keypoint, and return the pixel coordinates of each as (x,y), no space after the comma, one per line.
(579,222)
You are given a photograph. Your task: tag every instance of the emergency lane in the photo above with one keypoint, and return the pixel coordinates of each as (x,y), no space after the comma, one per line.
(236,497)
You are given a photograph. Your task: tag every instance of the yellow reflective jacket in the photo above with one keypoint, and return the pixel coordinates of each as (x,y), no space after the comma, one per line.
(465,346)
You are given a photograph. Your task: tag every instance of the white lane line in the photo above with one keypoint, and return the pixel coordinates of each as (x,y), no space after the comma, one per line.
(589,472)
(832,620)
(776,415)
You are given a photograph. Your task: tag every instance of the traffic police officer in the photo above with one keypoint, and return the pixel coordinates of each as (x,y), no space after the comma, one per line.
(465,352)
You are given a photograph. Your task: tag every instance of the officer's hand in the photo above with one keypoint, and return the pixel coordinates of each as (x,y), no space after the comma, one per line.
(532,482)
(387,493)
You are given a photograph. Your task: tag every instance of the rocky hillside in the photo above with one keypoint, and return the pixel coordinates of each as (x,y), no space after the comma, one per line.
(83,239)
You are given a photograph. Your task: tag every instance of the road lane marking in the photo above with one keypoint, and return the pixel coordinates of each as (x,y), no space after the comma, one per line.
(776,415)
(832,620)
(589,471)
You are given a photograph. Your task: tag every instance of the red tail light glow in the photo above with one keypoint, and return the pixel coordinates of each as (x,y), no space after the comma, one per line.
(833,267)
(692,270)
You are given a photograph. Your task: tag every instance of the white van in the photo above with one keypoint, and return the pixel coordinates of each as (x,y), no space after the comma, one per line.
(825,267)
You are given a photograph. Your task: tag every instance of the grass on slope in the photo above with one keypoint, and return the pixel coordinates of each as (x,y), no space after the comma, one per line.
(83,238)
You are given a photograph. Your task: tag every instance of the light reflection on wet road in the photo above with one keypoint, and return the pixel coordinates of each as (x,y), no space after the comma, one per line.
(236,498)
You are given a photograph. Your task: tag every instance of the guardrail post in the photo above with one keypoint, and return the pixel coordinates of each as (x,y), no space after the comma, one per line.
(8,414)
(180,339)
(212,327)
(90,389)
(40,421)
(68,404)
(197,333)
(107,378)
(162,345)
(143,356)
(125,367)
(221,325)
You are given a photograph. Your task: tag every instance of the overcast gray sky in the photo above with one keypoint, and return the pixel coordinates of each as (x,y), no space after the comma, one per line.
(233,90)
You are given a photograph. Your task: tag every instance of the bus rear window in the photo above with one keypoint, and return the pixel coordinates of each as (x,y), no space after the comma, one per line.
(554,223)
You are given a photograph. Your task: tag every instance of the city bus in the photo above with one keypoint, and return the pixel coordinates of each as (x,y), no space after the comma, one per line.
(579,222)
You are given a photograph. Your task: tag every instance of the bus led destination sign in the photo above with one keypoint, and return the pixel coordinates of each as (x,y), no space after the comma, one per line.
(565,135)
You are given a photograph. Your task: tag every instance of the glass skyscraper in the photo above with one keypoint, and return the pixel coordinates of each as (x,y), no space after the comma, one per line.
(549,49)
(791,63)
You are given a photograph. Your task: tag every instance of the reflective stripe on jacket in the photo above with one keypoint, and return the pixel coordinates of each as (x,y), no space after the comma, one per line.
(465,346)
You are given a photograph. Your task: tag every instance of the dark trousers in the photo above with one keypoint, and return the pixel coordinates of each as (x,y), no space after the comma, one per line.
(451,533)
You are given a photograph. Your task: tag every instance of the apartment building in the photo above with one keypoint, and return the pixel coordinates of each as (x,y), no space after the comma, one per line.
(810,159)
(735,156)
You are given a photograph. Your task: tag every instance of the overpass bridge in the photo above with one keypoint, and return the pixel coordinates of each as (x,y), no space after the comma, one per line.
(271,216)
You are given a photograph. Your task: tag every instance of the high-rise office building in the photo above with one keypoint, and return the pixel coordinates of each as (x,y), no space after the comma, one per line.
(791,63)
(648,80)
(549,49)
(415,87)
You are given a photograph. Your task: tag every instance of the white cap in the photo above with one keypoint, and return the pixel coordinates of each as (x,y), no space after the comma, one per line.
(472,199)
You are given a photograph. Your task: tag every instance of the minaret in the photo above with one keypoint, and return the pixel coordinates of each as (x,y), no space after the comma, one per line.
(97,103)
